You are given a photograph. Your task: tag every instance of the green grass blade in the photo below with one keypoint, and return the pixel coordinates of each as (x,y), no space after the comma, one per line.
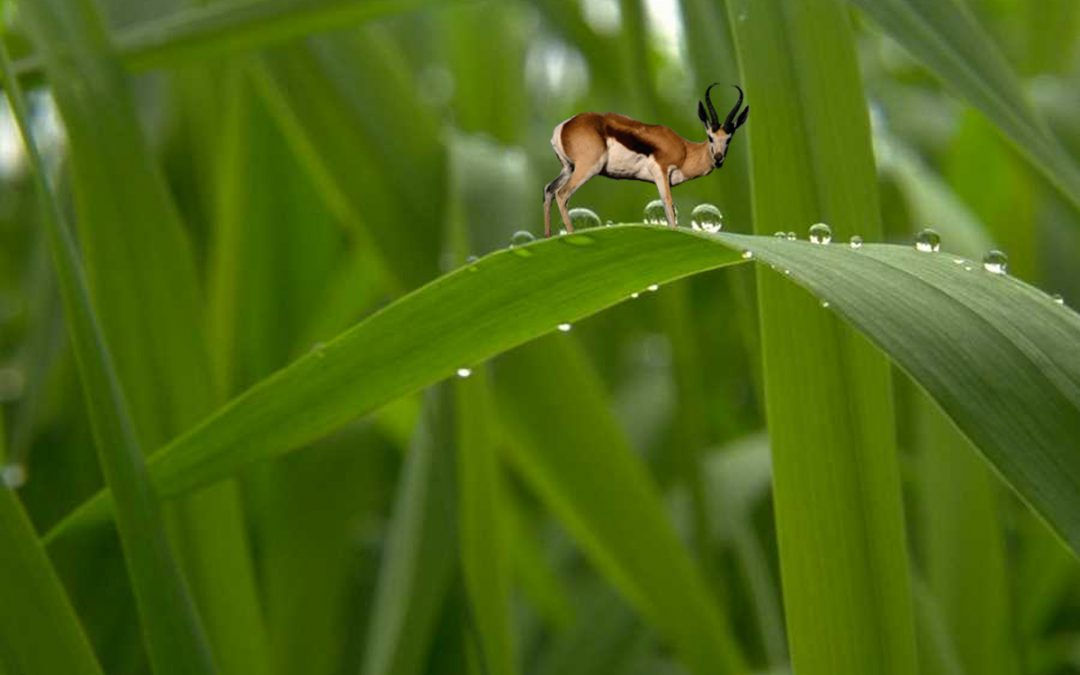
(947,39)
(510,298)
(205,31)
(144,282)
(39,632)
(999,357)
(419,558)
(840,527)
(171,627)
(485,556)
(568,446)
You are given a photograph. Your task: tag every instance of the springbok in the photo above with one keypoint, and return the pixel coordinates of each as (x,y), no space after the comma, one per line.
(619,147)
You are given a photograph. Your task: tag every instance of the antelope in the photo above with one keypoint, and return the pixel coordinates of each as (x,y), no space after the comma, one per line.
(619,147)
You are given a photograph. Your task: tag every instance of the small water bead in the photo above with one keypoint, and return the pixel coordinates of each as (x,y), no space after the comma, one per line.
(996,262)
(634,296)
(13,476)
(791,236)
(521,238)
(747,254)
(583,219)
(464,372)
(564,327)
(608,223)
(654,287)
(655,213)
(706,218)
(820,233)
(855,241)
(928,241)
(825,304)
(958,261)
(780,235)
(1056,297)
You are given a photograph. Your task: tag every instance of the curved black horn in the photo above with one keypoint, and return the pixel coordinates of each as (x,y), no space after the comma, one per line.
(729,125)
(713,117)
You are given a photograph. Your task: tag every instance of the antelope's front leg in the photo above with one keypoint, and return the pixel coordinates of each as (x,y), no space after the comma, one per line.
(663,184)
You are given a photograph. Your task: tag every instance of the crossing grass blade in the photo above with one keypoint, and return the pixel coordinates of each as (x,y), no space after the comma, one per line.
(39,632)
(171,626)
(949,41)
(828,400)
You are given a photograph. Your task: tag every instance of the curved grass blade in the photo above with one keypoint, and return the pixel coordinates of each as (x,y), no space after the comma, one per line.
(174,635)
(460,319)
(947,39)
(1000,358)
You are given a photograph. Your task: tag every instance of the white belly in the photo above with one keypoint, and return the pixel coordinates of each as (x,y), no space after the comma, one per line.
(625,163)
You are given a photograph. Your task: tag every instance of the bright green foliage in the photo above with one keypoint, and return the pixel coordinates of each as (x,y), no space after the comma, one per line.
(828,401)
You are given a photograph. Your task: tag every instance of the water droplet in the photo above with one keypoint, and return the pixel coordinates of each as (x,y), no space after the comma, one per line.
(820,233)
(562,231)
(968,268)
(780,235)
(13,476)
(825,304)
(787,272)
(655,213)
(927,241)
(958,261)
(855,241)
(706,218)
(791,236)
(471,259)
(583,219)
(564,327)
(634,296)
(654,287)
(464,372)
(1056,297)
(747,254)
(521,237)
(608,223)
(996,262)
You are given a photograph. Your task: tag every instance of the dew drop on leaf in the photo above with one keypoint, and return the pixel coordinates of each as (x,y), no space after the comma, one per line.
(706,218)
(855,241)
(996,262)
(820,233)
(583,219)
(927,241)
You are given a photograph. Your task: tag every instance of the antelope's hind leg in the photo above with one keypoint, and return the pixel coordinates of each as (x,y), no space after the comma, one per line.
(549,192)
(578,178)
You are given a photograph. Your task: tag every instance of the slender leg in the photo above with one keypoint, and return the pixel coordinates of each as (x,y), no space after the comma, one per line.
(549,192)
(663,184)
(577,179)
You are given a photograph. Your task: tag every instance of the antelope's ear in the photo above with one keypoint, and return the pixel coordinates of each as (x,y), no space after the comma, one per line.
(701,113)
(742,117)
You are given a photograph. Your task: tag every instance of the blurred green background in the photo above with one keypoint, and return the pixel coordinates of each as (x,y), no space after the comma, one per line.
(322,167)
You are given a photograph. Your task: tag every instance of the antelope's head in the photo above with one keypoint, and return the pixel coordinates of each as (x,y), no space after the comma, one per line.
(720,134)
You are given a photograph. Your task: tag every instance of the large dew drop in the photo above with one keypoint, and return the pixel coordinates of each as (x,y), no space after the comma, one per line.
(928,241)
(520,238)
(820,234)
(655,213)
(706,218)
(996,262)
(583,219)
(855,241)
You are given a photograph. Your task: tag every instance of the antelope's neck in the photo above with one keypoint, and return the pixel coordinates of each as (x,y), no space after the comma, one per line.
(698,160)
